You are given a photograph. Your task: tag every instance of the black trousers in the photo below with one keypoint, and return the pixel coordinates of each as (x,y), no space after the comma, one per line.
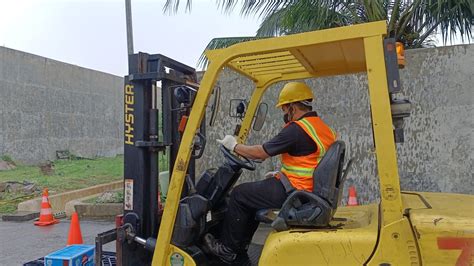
(239,222)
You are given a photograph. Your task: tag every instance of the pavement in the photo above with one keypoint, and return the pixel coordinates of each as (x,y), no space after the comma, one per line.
(21,242)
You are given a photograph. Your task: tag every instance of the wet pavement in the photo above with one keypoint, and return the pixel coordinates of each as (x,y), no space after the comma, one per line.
(22,242)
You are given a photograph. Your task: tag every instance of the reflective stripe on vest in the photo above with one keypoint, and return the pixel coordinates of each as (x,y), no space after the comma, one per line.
(299,169)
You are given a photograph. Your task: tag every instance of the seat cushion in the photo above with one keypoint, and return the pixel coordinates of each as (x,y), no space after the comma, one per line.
(303,208)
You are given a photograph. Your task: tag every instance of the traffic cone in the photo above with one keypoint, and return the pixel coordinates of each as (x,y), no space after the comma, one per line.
(46,214)
(352,197)
(75,236)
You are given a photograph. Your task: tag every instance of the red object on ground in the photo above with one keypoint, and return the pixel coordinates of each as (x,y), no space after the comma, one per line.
(75,235)
(46,213)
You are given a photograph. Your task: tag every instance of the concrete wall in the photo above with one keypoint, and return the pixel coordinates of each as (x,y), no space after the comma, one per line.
(46,105)
(437,154)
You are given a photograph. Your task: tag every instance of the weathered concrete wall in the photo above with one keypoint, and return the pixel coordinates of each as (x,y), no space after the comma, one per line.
(437,153)
(46,105)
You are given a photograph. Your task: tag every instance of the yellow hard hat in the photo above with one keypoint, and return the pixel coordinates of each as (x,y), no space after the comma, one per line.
(294,92)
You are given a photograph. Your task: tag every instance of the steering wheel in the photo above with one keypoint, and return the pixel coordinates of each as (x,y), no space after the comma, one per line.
(246,163)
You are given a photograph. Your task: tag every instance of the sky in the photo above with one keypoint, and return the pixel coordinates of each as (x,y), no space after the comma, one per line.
(92,33)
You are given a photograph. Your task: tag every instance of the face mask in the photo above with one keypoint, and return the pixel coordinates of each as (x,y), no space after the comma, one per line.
(286,119)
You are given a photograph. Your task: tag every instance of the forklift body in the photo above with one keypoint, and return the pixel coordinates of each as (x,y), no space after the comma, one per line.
(404,228)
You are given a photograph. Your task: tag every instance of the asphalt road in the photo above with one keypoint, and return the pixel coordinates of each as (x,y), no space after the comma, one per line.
(22,242)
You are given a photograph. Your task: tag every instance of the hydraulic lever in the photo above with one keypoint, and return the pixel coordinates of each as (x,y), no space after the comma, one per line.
(127,233)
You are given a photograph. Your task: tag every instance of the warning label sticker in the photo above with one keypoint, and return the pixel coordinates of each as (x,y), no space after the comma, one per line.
(128,197)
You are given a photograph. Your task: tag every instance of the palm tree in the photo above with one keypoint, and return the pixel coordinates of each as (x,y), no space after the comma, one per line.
(413,22)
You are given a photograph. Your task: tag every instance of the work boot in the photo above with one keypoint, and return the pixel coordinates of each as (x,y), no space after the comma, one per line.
(215,247)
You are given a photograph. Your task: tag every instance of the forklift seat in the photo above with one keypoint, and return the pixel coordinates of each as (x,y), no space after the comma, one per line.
(316,208)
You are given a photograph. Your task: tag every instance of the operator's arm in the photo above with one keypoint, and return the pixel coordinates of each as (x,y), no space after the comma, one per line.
(285,141)
(251,152)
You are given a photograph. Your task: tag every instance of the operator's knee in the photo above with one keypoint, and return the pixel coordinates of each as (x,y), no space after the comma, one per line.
(238,193)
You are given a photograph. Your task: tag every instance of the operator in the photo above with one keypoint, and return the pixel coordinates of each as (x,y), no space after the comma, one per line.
(301,143)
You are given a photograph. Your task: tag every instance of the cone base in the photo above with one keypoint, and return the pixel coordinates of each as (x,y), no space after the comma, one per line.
(39,223)
(78,243)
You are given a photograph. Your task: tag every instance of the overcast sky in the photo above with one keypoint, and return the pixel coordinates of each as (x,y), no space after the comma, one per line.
(92,33)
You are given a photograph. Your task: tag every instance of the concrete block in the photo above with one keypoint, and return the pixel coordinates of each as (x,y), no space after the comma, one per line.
(99,211)
(70,206)
(20,216)
(58,201)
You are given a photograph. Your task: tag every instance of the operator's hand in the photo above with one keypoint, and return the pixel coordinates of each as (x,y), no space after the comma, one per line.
(271,174)
(229,142)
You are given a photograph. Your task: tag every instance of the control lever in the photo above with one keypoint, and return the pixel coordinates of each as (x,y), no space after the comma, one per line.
(191,187)
(149,244)
(127,233)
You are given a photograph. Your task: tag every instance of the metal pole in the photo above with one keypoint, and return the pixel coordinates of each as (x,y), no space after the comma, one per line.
(128,17)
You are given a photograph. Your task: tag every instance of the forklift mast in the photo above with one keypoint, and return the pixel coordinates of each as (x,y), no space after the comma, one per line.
(152,78)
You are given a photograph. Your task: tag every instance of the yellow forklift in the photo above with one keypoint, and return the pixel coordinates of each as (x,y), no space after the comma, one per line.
(404,228)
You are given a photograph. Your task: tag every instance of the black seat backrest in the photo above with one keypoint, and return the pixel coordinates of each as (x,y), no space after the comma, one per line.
(303,208)
(327,177)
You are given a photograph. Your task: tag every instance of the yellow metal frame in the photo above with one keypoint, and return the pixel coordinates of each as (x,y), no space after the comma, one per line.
(344,50)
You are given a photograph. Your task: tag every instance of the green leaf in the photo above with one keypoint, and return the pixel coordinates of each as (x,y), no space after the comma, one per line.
(218,43)
(414,22)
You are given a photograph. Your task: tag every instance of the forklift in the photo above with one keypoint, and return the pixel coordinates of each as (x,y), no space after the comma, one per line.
(404,228)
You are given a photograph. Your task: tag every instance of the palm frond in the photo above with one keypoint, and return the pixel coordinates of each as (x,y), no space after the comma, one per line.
(393,16)
(375,10)
(406,15)
(172,6)
(449,17)
(305,15)
(413,22)
(218,43)
(272,24)
(263,7)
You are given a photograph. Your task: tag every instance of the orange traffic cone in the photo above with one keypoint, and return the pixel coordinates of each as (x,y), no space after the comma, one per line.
(46,214)
(75,236)
(352,197)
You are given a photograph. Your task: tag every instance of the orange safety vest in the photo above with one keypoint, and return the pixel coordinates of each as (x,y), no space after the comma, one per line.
(299,169)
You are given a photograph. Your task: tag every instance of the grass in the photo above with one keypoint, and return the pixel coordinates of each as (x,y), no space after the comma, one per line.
(68,175)
(116,198)
(6,158)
